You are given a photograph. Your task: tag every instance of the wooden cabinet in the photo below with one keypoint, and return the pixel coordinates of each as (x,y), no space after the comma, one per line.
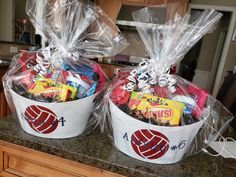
(181,5)
(143,2)
(17,161)
(4,109)
(112,7)
(110,70)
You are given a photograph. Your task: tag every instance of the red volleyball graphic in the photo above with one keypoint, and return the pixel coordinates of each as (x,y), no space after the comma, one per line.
(149,144)
(41,119)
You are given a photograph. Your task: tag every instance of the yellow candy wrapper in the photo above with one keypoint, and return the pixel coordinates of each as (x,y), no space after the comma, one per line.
(51,89)
(162,111)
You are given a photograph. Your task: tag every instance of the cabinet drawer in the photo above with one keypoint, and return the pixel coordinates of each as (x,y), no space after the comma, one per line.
(24,162)
(23,167)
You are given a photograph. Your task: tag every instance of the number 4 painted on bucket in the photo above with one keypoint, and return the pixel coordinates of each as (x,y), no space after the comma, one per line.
(181,145)
(62,121)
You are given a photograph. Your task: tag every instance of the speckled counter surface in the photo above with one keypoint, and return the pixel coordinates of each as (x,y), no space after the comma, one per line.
(97,150)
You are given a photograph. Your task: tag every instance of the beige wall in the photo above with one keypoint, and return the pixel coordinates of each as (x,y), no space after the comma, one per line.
(231,54)
(6,20)
(8,14)
(20,10)
(5,49)
(207,52)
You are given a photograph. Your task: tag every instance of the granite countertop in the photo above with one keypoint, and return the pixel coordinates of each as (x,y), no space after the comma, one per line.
(97,150)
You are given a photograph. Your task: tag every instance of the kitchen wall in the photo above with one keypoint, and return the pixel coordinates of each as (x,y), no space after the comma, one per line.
(208,47)
(8,50)
(136,46)
(231,54)
(20,9)
(10,10)
(6,20)
(204,71)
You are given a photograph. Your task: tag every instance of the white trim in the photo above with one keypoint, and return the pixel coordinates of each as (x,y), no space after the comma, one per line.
(234,36)
(220,8)
(216,59)
(227,41)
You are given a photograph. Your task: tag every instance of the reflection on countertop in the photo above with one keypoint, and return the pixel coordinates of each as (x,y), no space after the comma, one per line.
(96,150)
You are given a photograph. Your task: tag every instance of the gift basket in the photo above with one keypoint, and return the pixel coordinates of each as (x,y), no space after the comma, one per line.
(155,116)
(51,91)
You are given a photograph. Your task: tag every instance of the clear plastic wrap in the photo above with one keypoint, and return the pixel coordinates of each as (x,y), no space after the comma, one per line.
(51,91)
(155,116)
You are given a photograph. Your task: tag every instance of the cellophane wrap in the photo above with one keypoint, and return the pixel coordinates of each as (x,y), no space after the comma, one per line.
(154,115)
(52,91)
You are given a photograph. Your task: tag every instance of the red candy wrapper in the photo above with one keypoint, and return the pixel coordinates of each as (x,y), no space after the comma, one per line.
(119,95)
(27,60)
(200,96)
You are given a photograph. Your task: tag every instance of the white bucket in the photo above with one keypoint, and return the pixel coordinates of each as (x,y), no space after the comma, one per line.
(151,143)
(53,120)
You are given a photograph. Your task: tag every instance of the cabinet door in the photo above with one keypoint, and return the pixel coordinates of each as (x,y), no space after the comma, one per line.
(4,109)
(133,2)
(110,7)
(21,166)
(3,106)
(183,7)
(180,7)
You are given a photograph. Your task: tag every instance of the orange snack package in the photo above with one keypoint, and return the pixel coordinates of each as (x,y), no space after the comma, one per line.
(160,110)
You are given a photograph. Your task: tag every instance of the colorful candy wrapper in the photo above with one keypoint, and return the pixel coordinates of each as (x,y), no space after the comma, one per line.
(161,110)
(91,90)
(200,96)
(27,61)
(76,82)
(52,90)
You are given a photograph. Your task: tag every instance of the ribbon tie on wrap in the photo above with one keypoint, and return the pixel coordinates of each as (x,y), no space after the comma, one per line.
(168,81)
(51,57)
(148,74)
(43,61)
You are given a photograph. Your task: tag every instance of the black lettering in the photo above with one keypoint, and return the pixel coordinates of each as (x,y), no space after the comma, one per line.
(62,121)
(126,137)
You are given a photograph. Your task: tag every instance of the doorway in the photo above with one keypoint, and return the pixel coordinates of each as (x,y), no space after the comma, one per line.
(201,63)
